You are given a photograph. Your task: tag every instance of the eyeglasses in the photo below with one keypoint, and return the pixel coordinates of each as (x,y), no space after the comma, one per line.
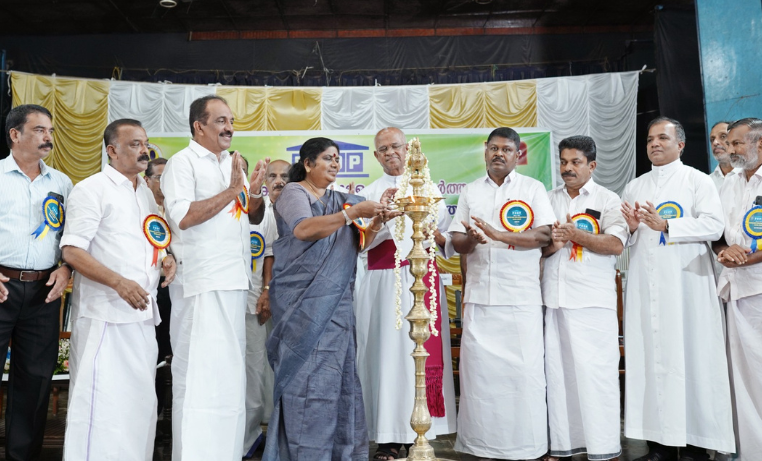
(385,149)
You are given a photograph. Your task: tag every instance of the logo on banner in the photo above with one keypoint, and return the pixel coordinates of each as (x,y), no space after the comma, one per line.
(352,158)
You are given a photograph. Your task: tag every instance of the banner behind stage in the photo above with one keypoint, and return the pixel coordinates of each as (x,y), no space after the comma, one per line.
(456,156)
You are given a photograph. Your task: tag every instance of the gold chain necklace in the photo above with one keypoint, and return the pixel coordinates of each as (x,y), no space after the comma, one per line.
(314,191)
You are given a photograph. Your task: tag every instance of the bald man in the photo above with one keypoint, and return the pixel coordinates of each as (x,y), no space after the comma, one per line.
(259,375)
(387,373)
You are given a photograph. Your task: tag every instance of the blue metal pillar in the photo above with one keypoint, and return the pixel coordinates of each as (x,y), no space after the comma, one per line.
(730,42)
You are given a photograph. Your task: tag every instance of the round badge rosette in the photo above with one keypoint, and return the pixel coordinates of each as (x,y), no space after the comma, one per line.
(257,248)
(516,216)
(585,222)
(241,204)
(158,235)
(52,217)
(752,226)
(360,223)
(668,210)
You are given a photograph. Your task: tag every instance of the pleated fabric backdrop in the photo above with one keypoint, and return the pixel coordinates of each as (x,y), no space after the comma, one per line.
(600,105)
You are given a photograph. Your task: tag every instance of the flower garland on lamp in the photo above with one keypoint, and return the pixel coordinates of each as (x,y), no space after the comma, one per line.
(430,224)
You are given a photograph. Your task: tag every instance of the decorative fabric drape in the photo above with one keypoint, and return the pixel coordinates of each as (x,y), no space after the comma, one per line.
(450,266)
(376,107)
(80,112)
(160,107)
(273,109)
(484,105)
(603,106)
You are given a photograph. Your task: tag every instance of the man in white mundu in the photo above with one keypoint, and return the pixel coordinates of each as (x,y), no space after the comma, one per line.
(581,325)
(206,202)
(740,283)
(112,403)
(677,391)
(502,401)
(259,374)
(385,368)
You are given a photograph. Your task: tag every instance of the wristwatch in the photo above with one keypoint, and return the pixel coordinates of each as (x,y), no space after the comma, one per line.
(259,195)
(346,217)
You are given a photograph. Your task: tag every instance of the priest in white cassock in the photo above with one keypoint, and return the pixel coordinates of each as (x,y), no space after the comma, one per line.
(206,198)
(259,374)
(385,368)
(502,402)
(112,403)
(677,391)
(740,284)
(581,325)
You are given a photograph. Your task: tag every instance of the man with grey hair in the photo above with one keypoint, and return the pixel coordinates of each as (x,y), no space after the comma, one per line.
(740,283)
(677,384)
(718,139)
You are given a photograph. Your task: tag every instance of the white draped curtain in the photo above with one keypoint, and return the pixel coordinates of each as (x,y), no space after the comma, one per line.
(603,106)
(373,108)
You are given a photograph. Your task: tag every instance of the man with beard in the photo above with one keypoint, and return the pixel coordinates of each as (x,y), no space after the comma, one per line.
(112,404)
(718,139)
(382,350)
(31,282)
(259,375)
(677,388)
(206,197)
(740,284)
(581,326)
(502,404)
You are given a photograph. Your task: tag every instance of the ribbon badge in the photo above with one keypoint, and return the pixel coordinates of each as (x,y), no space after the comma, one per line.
(52,217)
(257,248)
(584,222)
(516,216)
(241,204)
(158,234)
(668,210)
(362,225)
(752,226)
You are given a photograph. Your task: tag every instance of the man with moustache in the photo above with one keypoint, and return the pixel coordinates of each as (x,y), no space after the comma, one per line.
(740,283)
(502,403)
(677,389)
(31,282)
(112,405)
(581,325)
(259,375)
(718,138)
(382,350)
(206,196)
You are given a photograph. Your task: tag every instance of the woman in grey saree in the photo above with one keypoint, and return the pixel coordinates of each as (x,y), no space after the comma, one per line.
(318,413)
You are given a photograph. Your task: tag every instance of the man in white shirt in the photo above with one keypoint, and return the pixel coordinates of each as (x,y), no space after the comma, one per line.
(259,374)
(382,350)
(677,388)
(718,138)
(205,198)
(740,284)
(112,404)
(502,403)
(581,325)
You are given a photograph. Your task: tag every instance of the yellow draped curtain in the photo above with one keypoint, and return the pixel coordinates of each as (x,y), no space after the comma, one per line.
(483,105)
(80,114)
(273,109)
(450,266)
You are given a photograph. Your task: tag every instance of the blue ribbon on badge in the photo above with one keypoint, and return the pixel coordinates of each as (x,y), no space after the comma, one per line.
(257,248)
(752,226)
(668,210)
(52,217)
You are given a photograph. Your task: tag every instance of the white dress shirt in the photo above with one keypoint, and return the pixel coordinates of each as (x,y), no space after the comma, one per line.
(738,196)
(590,282)
(498,275)
(105,218)
(719,179)
(214,255)
(269,231)
(21,213)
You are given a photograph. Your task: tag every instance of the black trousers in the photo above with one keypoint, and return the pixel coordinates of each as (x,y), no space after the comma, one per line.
(697,453)
(33,326)
(162,338)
